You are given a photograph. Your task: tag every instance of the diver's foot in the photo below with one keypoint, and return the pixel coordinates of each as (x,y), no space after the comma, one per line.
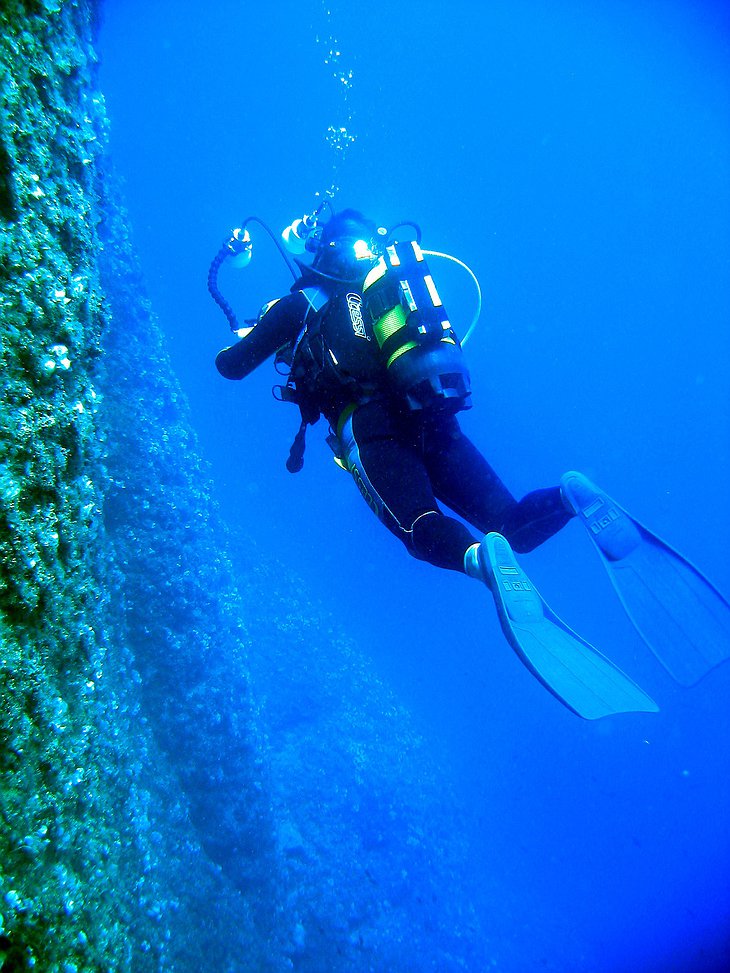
(568,666)
(611,529)
(678,612)
(472,567)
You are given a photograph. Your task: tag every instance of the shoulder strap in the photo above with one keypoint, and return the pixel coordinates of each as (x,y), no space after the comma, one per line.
(316,300)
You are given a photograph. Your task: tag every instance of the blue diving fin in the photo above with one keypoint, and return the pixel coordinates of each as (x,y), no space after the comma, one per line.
(683,618)
(572,670)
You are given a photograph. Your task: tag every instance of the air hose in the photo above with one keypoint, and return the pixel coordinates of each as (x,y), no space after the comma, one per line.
(475,319)
(239,245)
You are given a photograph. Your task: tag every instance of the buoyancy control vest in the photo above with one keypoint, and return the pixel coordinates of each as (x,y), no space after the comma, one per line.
(333,361)
(335,358)
(389,336)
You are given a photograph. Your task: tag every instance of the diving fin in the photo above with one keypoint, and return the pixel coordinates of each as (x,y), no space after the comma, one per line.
(683,618)
(572,670)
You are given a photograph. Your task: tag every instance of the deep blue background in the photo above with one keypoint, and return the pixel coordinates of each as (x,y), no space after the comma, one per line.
(576,155)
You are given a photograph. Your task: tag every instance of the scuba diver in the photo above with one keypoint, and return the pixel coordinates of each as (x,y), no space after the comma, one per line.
(366,342)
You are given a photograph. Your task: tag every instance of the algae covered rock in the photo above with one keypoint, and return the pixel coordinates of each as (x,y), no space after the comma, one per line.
(162,808)
(60,778)
(97,849)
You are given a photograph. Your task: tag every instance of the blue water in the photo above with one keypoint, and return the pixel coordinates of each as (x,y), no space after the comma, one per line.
(577,156)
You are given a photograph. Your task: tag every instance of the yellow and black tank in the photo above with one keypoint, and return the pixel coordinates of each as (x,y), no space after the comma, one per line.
(422,354)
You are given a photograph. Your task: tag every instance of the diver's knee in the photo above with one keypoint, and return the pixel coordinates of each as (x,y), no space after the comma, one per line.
(417,537)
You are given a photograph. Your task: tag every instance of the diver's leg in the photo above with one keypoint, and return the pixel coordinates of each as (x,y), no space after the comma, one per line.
(384,451)
(536,518)
(390,474)
(464,481)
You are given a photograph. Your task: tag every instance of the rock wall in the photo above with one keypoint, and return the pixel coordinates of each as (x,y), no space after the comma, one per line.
(97,846)
(199,770)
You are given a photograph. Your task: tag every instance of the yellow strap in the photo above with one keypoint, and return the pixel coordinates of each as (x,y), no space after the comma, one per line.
(344,416)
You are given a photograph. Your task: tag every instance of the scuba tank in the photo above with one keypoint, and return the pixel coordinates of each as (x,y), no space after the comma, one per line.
(422,355)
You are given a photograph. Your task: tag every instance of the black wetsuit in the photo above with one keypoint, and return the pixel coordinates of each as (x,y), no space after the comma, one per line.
(403,461)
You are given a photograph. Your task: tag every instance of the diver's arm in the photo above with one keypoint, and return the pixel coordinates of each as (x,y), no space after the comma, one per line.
(279,322)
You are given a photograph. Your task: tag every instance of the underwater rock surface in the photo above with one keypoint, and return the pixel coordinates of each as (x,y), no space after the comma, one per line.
(198,770)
